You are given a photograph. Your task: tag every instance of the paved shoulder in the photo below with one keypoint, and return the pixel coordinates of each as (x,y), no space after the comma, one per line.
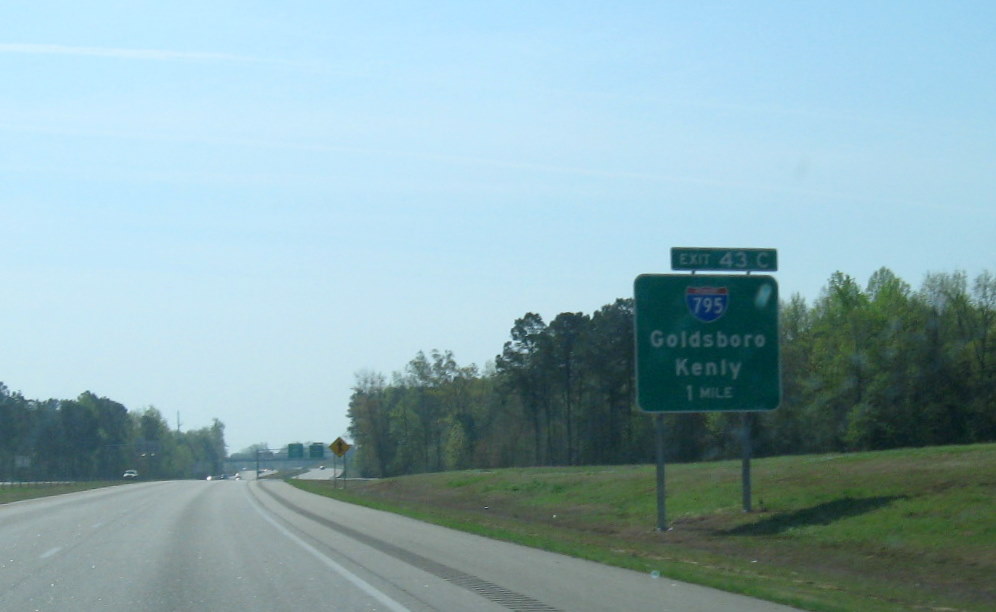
(512,576)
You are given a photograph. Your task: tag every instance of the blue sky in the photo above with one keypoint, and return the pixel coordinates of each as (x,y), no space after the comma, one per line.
(227,209)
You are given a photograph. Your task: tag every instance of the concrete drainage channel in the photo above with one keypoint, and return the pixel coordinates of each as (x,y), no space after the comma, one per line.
(488,590)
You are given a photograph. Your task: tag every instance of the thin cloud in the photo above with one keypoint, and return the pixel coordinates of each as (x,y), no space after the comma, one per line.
(159,55)
(981,209)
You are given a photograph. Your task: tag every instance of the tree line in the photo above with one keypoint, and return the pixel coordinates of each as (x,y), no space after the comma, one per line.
(863,368)
(96,438)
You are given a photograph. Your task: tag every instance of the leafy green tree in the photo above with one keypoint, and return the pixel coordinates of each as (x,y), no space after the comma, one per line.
(786,430)
(422,400)
(522,367)
(611,430)
(566,371)
(501,433)
(370,425)
(963,326)
(15,416)
(46,442)
(155,446)
(885,416)
(81,440)
(113,433)
(202,450)
(982,331)
(840,362)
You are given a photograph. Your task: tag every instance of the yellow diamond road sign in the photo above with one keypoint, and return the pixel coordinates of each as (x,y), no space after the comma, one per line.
(339,447)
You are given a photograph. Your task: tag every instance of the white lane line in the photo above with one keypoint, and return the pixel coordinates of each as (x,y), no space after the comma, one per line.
(48,553)
(360,583)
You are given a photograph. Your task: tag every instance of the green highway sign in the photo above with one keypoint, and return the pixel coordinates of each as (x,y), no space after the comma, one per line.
(733,260)
(707,343)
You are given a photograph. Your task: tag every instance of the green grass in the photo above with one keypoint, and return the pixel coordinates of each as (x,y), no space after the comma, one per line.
(892,530)
(31,491)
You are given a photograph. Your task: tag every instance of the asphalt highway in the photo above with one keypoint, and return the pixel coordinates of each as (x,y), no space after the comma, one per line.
(252,545)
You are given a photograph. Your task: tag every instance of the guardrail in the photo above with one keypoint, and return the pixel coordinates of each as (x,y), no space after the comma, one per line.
(17,484)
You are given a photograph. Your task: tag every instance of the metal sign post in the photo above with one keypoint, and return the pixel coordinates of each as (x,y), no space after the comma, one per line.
(745,418)
(661,495)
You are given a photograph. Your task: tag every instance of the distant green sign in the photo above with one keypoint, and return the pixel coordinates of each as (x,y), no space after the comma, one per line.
(707,343)
(295,451)
(733,260)
(316,450)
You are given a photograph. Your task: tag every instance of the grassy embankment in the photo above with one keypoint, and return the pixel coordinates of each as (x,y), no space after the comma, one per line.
(911,529)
